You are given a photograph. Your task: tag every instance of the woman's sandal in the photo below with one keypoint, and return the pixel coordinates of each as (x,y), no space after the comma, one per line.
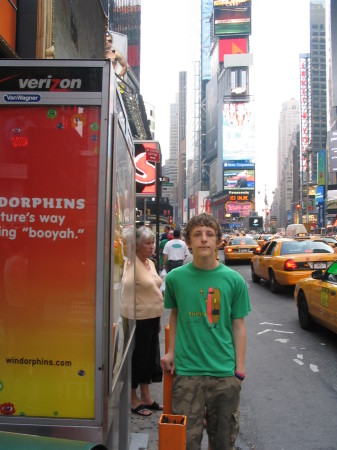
(141,410)
(154,407)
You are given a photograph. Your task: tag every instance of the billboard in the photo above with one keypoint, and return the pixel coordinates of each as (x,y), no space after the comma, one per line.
(239,175)
(229,46)
(305,111)
(49,173)
(146,154)
(321,167)
(238,136)
(8,24)
(256,222)
(232,18)
(239,203)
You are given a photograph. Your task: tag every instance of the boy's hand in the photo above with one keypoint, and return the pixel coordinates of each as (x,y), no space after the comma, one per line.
(167,363)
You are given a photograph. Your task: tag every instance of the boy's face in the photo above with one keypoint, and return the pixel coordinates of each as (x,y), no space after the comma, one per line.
(203,241)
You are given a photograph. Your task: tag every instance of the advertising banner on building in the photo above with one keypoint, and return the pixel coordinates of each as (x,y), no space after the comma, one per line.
(305,111)
(240,203)
(239,175)
(147,153)
(232,18)
(48,238)
(229,46)
(238,134)
(321,167)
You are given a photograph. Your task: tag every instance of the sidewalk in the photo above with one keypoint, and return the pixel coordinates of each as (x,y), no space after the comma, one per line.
(144,430)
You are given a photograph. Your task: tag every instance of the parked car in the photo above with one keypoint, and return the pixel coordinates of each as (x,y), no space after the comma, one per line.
(316,299)
(239,248)
(285,261)
(328,240)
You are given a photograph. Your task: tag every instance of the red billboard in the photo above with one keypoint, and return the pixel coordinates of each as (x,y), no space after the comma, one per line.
(229,46)
(146,157)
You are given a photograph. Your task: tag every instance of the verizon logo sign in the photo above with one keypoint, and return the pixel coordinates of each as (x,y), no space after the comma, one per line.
(50,83)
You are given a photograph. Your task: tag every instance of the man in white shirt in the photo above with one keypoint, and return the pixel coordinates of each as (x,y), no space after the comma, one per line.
(174,253)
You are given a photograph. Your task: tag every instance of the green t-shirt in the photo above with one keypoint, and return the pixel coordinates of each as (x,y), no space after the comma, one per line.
(207,302)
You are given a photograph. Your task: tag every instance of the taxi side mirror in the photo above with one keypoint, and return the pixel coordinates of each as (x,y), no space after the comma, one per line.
(317,274)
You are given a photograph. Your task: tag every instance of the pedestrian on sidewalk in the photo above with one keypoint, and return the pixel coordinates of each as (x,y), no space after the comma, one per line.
(207,338)
(149,309)
(174,252)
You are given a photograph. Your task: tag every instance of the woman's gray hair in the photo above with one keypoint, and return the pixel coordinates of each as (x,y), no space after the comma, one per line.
(143,233)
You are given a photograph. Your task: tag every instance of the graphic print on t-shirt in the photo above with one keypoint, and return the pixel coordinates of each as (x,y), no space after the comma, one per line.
(213,306)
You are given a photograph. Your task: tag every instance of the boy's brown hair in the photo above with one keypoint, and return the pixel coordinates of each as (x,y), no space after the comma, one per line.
(206,220)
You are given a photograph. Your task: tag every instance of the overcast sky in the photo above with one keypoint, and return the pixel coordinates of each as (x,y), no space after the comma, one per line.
(170,43)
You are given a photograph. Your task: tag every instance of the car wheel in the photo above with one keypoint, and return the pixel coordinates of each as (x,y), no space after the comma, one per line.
(304,317)
(227,262)
(255,278)
(273,284)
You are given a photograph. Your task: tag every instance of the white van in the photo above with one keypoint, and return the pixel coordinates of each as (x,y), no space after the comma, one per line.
(296,230)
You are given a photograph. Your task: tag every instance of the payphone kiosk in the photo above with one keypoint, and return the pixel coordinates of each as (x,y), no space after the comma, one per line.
(67,214)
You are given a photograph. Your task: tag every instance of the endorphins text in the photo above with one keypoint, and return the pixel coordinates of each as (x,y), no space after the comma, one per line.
(46,203)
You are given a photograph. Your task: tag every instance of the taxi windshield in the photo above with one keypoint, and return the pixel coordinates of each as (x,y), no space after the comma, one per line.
(307,246)
(243,241)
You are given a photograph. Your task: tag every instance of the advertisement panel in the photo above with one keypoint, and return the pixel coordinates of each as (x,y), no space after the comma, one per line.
(238,132)
(319,194)
(232,17)
(8,23)
(239,175)
(239,203)
(146,168)
(321,167)
(49,170)
(229,46)
(305,112)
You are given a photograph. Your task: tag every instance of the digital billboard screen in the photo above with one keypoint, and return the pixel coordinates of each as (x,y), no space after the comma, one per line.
(146,168)
(238,136)
(239,175)
(232,18)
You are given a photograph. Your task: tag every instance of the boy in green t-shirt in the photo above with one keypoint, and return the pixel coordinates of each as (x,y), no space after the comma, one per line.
(207,347)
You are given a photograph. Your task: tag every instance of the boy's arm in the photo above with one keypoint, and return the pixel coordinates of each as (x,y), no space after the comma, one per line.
(239,339)
(167,361)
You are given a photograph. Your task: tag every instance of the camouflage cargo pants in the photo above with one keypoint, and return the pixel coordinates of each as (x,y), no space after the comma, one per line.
(221,397)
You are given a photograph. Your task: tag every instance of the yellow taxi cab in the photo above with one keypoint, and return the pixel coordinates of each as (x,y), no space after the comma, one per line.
(239,248)
(316,299)
(285,261)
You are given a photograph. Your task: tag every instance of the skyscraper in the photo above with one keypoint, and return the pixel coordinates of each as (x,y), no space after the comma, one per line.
(182,96)
(318,81)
